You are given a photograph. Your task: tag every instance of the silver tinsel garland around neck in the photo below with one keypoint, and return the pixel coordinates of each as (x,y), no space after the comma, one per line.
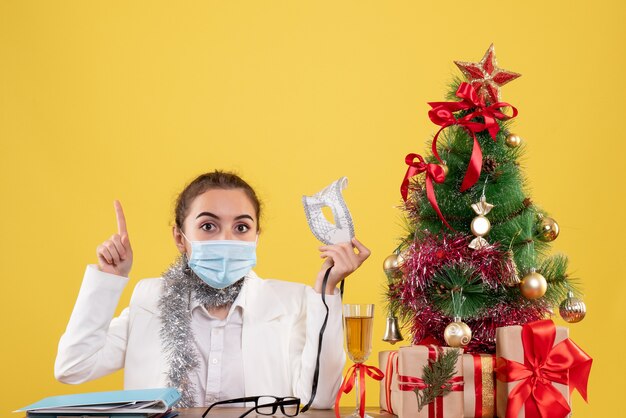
(182,290)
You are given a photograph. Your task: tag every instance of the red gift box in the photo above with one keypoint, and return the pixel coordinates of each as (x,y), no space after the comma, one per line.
(479,386)
(537,369)
(411,362)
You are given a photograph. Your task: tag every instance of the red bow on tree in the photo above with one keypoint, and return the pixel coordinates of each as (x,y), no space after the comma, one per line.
(434,172)
(564,363)
(442,114)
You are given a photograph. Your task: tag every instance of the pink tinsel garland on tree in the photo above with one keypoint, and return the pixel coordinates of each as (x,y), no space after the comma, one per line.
(494,267)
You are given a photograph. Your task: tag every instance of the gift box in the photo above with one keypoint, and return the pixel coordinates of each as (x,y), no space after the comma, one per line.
(479,386)
(411,362)
(389,391)
(537,368)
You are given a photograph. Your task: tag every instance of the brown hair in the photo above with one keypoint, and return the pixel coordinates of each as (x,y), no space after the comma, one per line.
(213,180)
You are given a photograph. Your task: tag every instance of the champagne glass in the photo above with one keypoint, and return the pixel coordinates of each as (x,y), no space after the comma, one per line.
(358,324)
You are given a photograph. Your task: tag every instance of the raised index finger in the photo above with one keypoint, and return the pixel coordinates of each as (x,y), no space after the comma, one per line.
(121,220)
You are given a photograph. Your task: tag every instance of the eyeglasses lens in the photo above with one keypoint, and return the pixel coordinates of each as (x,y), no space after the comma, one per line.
(291,406)
(266,405)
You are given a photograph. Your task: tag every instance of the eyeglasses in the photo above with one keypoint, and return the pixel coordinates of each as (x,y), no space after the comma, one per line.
(264,405)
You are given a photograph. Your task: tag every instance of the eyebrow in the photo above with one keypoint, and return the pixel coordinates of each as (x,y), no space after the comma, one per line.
(212,215)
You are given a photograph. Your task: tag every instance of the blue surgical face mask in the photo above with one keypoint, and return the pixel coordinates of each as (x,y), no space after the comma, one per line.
(220,263)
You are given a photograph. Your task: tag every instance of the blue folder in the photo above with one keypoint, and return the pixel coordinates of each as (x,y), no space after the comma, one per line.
(142,401)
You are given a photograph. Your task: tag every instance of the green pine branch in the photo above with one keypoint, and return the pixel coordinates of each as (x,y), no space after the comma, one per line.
(462,281)
(437,376)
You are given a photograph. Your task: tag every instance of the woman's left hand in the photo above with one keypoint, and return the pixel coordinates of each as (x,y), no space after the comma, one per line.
(343,260)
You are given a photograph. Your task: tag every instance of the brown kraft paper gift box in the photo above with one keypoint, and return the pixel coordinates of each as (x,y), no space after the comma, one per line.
(389,384)
(411,362)
(479,386)
(509,346)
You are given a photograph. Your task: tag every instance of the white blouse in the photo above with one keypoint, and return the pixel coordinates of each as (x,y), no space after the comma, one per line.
(268,347)
(219,375)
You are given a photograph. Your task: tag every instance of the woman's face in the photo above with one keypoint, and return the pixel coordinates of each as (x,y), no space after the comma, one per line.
(218,214)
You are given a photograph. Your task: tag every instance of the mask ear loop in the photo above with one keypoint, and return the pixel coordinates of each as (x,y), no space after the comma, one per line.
(186,269)
(316,374)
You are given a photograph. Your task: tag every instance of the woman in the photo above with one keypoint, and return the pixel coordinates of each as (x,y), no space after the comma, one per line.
(209,326)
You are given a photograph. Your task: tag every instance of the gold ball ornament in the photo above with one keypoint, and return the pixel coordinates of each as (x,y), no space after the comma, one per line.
(547,229)
(401,257)
(457,334)
(391,265)
(513,141)
(480,226)
(533,285)
(572,309)
(445,169)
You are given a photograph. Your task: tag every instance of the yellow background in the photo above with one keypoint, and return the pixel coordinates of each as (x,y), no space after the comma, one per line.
(130,100)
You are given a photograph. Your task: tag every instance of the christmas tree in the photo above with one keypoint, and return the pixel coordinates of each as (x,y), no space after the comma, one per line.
(476,252)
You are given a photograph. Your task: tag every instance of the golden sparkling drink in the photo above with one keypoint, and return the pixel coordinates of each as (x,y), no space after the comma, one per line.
(359,337)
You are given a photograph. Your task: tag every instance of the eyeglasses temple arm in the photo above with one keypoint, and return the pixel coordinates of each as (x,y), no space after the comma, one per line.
(227,401)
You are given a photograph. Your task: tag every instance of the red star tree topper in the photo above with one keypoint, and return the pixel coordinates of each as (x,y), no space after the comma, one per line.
(486,77)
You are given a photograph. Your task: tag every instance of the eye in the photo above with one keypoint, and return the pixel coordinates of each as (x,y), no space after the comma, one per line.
(242,228)
(207,227)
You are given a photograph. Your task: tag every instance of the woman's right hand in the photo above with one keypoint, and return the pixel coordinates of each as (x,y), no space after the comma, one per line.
(115,255)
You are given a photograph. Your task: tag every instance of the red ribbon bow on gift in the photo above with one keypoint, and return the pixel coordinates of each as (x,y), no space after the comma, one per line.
(350,380)
(434,172)
(564,363)
(442,114)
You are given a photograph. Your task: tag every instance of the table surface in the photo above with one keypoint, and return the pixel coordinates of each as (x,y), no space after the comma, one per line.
(311,413)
